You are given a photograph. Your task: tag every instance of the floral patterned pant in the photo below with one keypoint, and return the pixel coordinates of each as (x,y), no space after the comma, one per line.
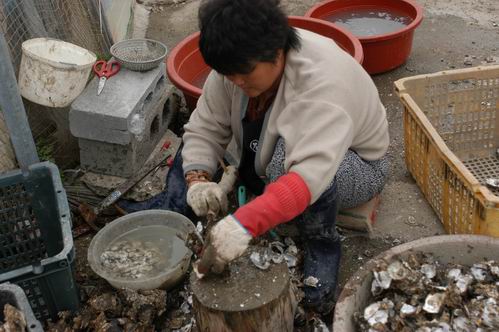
(357,180)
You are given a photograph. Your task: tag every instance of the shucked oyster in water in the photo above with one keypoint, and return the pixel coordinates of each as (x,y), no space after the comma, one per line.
(421,294)
(131,259)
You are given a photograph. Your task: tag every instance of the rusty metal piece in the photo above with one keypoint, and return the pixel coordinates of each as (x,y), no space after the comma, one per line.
(194,242)
(211,219)
(88,215)
(120,210)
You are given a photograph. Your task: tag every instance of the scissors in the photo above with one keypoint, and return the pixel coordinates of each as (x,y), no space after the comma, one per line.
(105,70)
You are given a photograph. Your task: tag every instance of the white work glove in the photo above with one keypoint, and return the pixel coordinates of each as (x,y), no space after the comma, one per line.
(227,240)
(204,197)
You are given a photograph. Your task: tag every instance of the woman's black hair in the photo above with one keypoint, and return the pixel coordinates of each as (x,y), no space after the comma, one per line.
(236,34)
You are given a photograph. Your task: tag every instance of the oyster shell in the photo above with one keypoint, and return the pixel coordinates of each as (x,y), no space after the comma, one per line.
(397,271)
(382,280)
(429,296)
(429,270)
(433,303)
(261,261)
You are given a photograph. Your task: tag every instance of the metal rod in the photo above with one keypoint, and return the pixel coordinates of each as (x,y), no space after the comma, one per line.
(14,112)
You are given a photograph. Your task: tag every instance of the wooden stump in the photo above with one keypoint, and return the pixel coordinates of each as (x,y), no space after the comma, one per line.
(245,299)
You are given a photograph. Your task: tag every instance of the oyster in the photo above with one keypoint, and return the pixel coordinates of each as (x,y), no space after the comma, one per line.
(461,324)
(494,268)
(382,280)
(463,281)
(311,281)
(453,274)
(433,303)
(479,272)
(261,261)
(408,310)
(277,252)
(397,271)
(291,260)
(490,315)
(429,270)
(426,295)
(379,312)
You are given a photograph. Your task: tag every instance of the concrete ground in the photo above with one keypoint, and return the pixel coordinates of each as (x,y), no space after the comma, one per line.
(450,31)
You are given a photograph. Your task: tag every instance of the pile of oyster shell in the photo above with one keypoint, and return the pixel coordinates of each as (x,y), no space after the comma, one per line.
(276,252)
(111,310)
(420,294)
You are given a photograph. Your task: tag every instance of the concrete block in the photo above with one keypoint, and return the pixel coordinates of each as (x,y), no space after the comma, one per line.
(124,160)
(108,117)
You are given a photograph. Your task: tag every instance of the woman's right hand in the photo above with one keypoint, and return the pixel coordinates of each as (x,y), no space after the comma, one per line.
(204,197)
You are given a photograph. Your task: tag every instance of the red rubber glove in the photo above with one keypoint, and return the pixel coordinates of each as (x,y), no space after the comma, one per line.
(282,201)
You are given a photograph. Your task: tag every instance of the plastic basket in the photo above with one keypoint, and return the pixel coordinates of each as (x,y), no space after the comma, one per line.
(451,130)
(36,244)
(14,295)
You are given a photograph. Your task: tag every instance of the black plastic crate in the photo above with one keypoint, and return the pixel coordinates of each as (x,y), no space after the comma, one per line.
(36,244)
(14,295)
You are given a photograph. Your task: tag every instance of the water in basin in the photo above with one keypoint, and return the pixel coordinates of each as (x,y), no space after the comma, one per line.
(367,21)
(143,252)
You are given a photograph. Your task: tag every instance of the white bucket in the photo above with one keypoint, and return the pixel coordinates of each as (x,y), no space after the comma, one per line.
(53,72)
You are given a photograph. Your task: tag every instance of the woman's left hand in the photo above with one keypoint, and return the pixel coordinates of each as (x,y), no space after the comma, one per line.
(227,240)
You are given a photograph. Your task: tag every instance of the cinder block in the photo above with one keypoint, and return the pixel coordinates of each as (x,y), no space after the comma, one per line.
(118,129)
(108,117)
(124,160)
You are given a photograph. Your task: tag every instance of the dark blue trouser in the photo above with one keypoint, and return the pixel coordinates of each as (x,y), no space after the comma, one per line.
(318,221)
(321,241)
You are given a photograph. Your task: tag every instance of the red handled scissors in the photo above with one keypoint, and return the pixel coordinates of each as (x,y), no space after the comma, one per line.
(105,70)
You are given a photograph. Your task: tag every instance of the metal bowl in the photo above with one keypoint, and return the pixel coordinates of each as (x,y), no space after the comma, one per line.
(139,54)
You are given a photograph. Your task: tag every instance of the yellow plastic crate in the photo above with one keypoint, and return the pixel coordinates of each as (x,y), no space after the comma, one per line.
(451,132)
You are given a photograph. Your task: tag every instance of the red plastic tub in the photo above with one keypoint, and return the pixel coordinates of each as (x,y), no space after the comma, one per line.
(188,71)
(385,51)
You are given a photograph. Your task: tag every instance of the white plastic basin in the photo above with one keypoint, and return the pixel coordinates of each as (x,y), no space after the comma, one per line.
(53,72)
(135,222)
